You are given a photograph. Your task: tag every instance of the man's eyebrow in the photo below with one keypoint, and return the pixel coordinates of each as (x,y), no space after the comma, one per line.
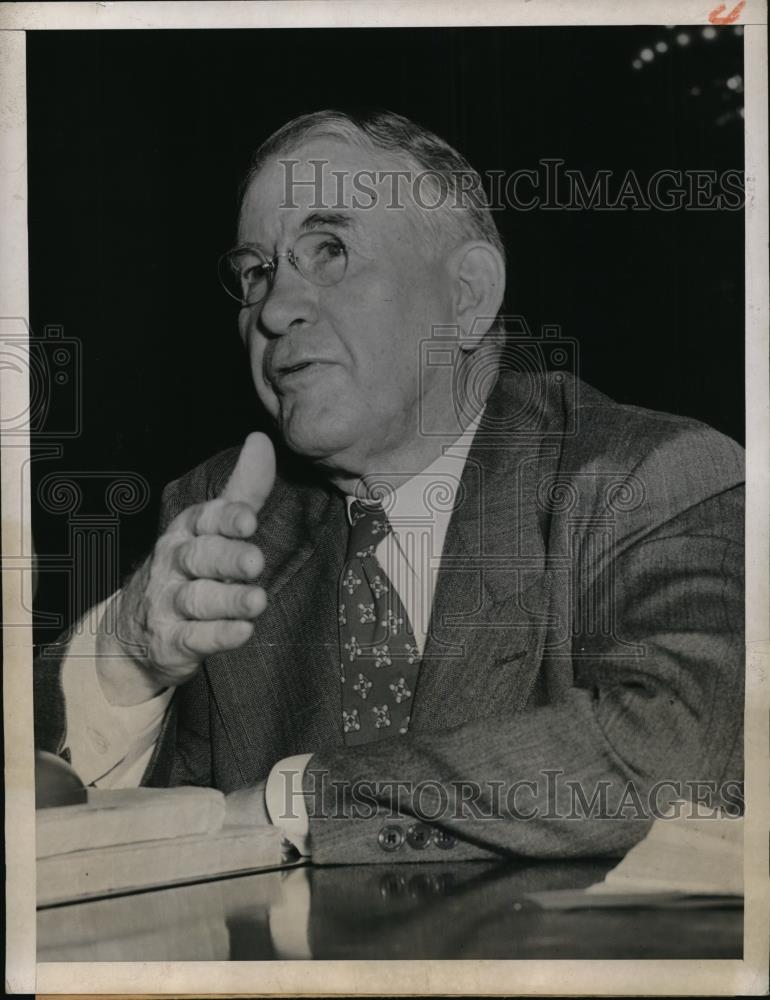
(318,220)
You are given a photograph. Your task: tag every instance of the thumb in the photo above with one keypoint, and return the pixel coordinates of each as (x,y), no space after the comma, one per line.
(254,474)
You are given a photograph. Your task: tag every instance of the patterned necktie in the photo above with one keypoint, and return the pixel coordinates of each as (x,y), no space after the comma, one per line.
(379,657)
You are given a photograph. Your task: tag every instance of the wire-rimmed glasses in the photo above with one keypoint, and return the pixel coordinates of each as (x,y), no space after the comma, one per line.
(247,273)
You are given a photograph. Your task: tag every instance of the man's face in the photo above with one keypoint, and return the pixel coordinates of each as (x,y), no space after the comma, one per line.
(338,367)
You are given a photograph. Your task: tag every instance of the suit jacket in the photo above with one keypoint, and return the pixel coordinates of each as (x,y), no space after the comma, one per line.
(585,643)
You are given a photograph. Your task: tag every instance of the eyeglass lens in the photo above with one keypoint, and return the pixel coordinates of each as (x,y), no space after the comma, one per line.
(246,273)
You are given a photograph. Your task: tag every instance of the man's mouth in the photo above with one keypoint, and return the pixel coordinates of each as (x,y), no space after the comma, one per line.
(291,369)
(280,374)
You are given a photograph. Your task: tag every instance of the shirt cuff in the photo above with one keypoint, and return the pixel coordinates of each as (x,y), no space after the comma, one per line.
(285,800)
(104,739)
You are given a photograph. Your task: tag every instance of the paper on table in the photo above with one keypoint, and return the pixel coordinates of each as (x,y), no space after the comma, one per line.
(122,840)
(149,864)
(126,816)
(702,856)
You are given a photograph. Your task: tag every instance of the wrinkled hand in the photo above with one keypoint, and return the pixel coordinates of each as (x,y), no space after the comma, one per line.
(196,594)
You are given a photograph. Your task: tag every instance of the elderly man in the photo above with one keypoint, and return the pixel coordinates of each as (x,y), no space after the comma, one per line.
(480,607)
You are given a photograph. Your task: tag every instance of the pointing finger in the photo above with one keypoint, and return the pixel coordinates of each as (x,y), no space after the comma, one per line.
(254,473)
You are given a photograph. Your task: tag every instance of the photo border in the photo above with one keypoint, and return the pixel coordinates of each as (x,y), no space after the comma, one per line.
(624,977)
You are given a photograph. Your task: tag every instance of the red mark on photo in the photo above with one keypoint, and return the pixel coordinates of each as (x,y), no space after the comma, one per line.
(718,16)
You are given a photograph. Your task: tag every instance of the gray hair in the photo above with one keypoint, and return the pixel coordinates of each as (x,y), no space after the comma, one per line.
(462,210)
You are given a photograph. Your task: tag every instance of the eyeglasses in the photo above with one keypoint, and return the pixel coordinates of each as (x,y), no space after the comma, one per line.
(247,274)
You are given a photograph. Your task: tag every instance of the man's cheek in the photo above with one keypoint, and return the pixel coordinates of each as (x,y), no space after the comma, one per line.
(255,348)
(245,329)
(264,390)
(265,393)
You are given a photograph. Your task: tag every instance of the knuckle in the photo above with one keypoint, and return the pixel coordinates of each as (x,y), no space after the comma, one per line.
(229,550)
(158,634)
(184,561)
(201,598)
(184,641)
(209,517)
(184,557)
(241,518)
(189,599)
(221,557)
(182,601)
(184,522)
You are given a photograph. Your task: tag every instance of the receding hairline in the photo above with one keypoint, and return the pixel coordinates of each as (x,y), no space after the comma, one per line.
(358,140)
(389,134)
(434,227)
(388,160)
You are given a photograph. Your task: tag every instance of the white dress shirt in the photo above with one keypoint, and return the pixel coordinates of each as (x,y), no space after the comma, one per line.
(111,745)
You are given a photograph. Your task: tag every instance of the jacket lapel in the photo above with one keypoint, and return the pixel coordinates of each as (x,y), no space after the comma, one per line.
(279,694)
(490,609)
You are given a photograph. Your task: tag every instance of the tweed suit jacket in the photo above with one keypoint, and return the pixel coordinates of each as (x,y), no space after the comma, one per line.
(586,634)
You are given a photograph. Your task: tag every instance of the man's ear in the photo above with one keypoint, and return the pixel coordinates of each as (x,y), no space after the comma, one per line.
(478,271)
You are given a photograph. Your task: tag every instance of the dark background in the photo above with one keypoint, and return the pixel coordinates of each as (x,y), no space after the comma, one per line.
(137,143)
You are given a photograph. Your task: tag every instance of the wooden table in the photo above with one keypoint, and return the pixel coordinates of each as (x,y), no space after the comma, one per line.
(457,910)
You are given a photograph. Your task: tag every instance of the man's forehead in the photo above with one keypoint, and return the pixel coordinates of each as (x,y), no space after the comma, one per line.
(321,177)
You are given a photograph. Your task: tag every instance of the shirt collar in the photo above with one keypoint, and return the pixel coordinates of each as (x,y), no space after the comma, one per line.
(428,497)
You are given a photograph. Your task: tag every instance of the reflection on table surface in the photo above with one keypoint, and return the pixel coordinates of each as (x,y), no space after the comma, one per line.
(406,911)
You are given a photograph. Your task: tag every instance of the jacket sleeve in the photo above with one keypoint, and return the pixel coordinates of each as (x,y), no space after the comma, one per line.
(586,774)
(182,753)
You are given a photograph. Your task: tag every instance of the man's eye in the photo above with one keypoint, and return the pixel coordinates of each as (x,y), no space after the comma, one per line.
(254,272)
(325,261)
(330,248)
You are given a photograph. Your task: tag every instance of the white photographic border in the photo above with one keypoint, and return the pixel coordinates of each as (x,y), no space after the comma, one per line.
(625,977)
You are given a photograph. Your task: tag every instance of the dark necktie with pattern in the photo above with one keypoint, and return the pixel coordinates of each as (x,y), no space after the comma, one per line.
(379,658)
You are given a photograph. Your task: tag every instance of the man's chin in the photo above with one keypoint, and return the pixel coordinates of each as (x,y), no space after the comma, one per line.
(315,440)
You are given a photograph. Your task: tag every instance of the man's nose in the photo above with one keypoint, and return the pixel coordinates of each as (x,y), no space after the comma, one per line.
(291,300)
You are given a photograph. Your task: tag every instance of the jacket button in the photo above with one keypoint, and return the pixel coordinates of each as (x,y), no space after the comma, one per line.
(418,836)
(443,839)
(390,838)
